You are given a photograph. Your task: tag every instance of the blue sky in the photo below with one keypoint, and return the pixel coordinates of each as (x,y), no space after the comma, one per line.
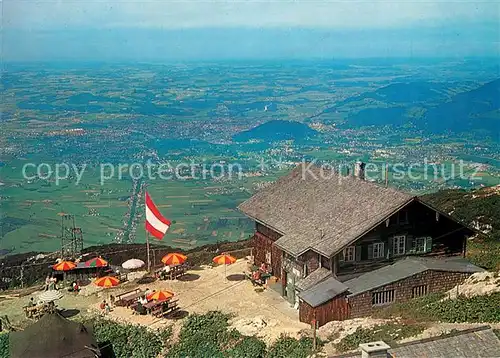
(190,29)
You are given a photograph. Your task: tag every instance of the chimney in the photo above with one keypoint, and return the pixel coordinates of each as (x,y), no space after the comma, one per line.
(377,349)
(359,170)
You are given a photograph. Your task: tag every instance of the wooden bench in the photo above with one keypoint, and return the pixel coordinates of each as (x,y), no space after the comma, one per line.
(121,295)
(120,299)
(34,311)
(172,307)
(174,273)
(157,311)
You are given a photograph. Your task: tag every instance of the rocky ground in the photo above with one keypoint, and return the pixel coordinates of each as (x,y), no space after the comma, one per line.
(481,283)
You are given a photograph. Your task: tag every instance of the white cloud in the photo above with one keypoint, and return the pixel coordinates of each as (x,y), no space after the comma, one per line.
(36,15)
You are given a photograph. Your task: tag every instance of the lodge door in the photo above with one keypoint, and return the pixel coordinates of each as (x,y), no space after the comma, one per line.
(290,287)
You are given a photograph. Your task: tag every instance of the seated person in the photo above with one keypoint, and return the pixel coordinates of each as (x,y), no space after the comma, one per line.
(50,306)
(143,300)
(256,276)
(31,302)
(74,287)
(103,304)
(140,308)
(47,282)
(263,267)
(52,283)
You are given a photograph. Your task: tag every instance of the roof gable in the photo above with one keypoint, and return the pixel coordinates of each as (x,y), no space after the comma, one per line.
(319,209)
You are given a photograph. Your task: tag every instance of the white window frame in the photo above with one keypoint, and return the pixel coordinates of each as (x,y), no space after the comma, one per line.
(380,250)
(423,243)
(268,257)
(396,245)
(385,297)
(419,291)
(348,251)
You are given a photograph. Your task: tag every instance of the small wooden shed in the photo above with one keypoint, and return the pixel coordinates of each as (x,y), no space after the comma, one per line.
(324,302)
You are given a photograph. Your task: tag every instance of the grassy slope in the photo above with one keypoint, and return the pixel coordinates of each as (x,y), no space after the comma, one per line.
(481,209)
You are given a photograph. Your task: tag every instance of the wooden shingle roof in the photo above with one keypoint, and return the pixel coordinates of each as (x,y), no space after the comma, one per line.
(323,292)
(475,342)
(315,277)
(405,268)
(316,208)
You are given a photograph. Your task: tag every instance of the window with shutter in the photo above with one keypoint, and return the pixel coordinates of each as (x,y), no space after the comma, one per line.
(268,257)
(350,253)
(419,244)
(398,245)
(378,250)
(428,244)
(370,252)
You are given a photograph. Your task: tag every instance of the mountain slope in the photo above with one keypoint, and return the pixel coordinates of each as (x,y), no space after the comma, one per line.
(429,106)
(480,208)
(468,110)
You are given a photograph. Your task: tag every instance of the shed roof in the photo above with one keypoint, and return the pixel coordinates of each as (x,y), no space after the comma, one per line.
(323,292)
(405,268)
(53,336)
(313,278)
(475,342)
(319,209)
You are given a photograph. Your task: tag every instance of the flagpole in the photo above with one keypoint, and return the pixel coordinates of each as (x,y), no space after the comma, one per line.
(147,233)
(147,248)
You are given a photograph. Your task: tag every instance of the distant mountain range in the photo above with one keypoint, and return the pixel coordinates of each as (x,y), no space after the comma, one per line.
(476,109)
(435,107)
(276,130)
(413,92)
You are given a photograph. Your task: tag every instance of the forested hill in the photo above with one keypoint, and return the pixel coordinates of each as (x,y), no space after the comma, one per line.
(480,208)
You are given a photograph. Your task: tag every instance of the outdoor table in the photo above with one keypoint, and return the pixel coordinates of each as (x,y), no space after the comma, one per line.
(151,304)
(128,300)
(120,296)
(176,271)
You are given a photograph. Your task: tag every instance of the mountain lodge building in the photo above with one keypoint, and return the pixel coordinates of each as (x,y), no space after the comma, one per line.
(342,246)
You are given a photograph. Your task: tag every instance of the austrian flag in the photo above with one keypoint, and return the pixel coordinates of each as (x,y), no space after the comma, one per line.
(156,224)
